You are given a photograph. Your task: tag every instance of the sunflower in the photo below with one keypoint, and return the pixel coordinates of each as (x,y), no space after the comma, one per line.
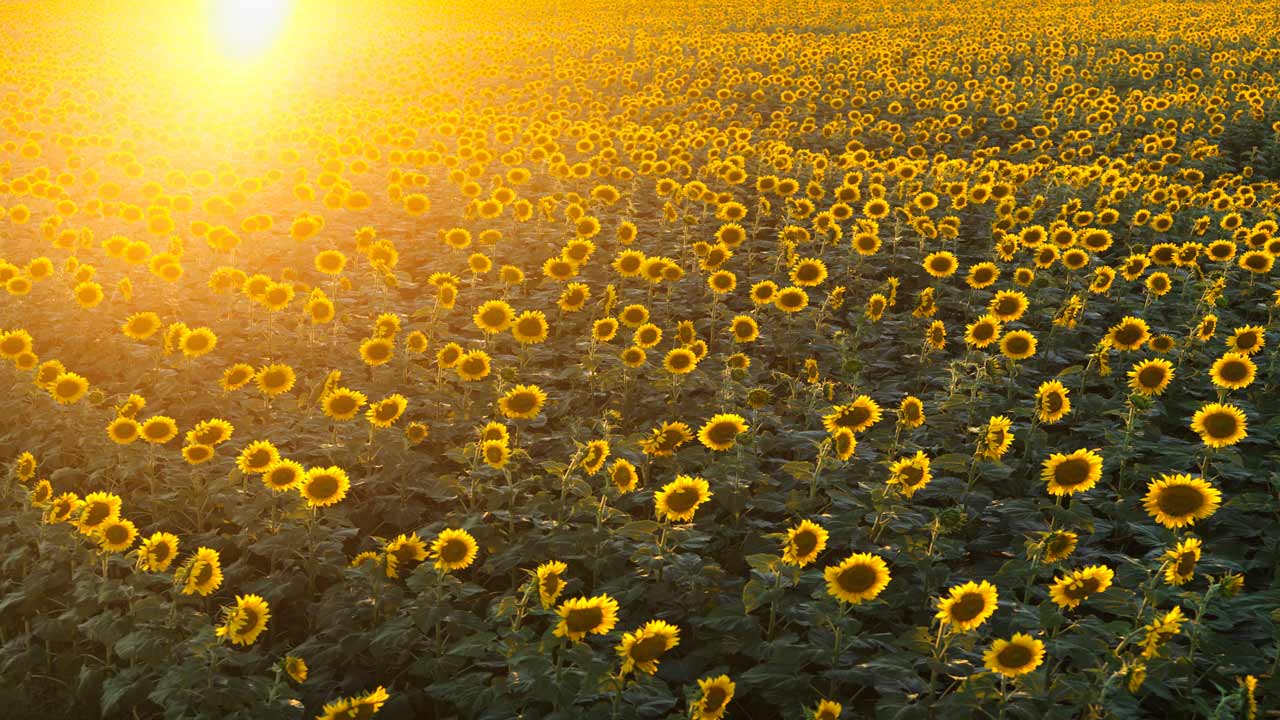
(982,275)
(123,430)
(283,475)
(159,429)
(14,343)
(1247,340)
(274,380)
(323,487)
(41,494)
(198,454)
(722,430)
(1233,371)
(803,544)
(1151,377)
(550,582)
(237,376)
(1070,473)
(582,616)
(454,550)
(911,473)
(718,691)
(200,341)
(473,366)
(1008,305)
(257,457)
(496,453)
(574,297)
(680,361)
(665,439)
(1207,327)
(377,351)
(530,327)
(117,535)
(764,292)
(844,442)
(68,387)
(1180,561)
(744,329)
(597,452)
(296,668)
(342,404)
(244,622)
(1161,630)
(493,316)
(1057,545)
(858,415)
(25,466)
(940,264)
(157,552)
(967,606)
(402,551)
(604,329)
(202,573)
(385,412)
(1178,500)
(140,326)
(828,710)
(64,508)
(1016,656)
(1052,403)
(641,649)
(1129,334)
(997,437)
(1018,345)
(860,577)
(214,431)
(633,357)
(679,499)
(791,300)
(449,355)
(911,412)
(522,401)
(1077,586)
(1220,425)
(983,331)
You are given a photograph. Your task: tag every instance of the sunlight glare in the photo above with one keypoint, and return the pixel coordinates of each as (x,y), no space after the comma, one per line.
(245,29)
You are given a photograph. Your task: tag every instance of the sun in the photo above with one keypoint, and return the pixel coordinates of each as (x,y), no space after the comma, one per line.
(245,29)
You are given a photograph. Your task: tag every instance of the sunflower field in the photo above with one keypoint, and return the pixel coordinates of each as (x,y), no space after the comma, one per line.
(677,359)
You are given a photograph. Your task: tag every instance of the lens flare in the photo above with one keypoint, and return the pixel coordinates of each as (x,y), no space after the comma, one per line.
(245,29)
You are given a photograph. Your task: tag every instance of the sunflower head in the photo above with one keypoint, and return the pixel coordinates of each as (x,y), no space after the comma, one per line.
(1016,656)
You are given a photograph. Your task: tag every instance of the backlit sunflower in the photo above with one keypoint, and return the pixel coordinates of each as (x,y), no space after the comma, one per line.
(64,508)
(473,366)
(496,453)
(858,415)
(1018,345)
(860,577)
(400,554)
(983,331)
(911,474)
(641,649)
(296,668)
(324,486)
(97,509)
(744,329)
(68,387)
(791,300)
(1180,561)
(1151,377)
(245,621)
(721,431)
(1233,371)
(214,431)
(1070,473)
(529,327)
(1129,334)
(141,326)
(633,357)
(940,264)
(257,457)
(982,275)
(623,475)
(1220,425)
(283,475)
(1178,500)
(550,580)
(342,404)
(967,606)
(522,401)
(996,438)
(201,573)
(808,272)
(716,692)
(493,316)
(804,543)
(680,361)
(385,412)
(117,535)
(582,616)
(237,376)
(157,552)
(275,379)
(454,550)
(679,499)
(1077,586)
(377,351)
(1052,402)
(41,494)
(666,438)
(198,454)
(123,430)
(1008,305)
(1016,656)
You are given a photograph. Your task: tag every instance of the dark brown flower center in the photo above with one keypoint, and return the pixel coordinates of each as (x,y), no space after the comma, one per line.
(582,620)
(969,606)
(857,578)
(1221,425)
(1014,655)
(1072,472)
(1180,500)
